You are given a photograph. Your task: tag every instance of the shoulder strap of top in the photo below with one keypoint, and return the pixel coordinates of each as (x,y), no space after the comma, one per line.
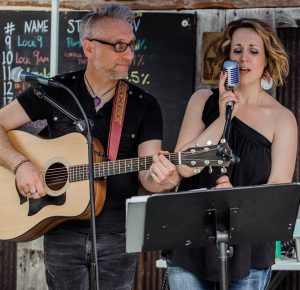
(211,108)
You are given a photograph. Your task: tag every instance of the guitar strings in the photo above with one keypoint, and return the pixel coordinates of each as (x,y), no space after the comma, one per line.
(59,175)
(133,162)
(57,179)
(84,168)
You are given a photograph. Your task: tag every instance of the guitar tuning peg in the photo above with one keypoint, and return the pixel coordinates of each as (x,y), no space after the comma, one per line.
(210,170)
(223,140)
(223,170)
(197,170)
(209,142)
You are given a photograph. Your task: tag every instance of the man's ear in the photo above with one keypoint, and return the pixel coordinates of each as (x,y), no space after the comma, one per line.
(87,47)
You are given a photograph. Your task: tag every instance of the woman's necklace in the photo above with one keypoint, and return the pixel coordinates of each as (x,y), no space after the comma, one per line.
(98,100)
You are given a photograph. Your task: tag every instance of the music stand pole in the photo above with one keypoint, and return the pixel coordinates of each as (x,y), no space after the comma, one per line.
(222,245)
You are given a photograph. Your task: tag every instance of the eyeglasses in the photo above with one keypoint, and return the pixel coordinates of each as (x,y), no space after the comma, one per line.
(119,46)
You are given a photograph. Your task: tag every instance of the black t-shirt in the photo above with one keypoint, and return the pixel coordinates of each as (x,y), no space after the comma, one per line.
(142,122)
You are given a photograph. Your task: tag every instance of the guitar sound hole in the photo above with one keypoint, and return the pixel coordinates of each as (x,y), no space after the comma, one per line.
(56,176)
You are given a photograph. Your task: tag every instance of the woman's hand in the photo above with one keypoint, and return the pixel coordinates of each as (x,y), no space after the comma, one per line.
(223,182)
(226,96)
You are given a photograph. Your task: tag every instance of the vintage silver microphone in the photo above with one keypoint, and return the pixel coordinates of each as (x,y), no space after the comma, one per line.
(233,77)
(231,82)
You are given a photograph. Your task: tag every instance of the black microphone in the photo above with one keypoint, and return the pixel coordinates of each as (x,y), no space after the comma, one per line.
(17,74)
(233,78)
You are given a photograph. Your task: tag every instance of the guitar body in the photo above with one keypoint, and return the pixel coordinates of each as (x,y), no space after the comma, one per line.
(23,219)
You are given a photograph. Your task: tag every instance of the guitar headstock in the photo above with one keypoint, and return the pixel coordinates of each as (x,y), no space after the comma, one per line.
(219,155)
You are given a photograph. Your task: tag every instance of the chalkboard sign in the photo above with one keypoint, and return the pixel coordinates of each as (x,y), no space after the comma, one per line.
(71,56)
(25,42)
(163,65)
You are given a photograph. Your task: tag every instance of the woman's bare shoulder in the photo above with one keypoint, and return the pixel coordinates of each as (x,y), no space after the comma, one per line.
(279,113)
(200,96)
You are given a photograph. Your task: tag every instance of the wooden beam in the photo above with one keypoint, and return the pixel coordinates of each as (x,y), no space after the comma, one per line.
(158,4)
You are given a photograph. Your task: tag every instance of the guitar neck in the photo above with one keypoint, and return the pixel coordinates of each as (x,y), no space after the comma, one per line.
(109,168)
(193,157)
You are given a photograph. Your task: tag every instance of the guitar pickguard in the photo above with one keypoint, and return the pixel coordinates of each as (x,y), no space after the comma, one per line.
(35,205)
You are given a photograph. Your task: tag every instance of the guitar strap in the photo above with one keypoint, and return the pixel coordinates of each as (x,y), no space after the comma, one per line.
(116,121)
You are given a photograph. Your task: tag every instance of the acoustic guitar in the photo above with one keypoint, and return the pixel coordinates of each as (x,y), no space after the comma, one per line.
(64,164)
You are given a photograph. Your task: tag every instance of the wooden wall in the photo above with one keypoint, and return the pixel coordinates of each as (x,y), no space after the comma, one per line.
(161,5)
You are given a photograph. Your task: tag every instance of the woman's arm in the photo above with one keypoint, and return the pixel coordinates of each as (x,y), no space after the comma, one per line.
(193,132)
(284,147)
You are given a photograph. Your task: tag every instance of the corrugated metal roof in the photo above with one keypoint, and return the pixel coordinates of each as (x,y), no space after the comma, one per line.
(7,265)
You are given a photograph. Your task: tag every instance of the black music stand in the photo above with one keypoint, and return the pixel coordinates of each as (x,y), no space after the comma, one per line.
(232,216)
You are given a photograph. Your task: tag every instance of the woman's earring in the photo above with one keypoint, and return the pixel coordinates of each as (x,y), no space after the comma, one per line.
(266,84)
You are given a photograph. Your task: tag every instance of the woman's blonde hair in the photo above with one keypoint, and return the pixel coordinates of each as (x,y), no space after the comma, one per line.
(277,66)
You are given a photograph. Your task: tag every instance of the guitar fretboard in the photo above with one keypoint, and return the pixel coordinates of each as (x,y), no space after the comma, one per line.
(108,168)
(193,157)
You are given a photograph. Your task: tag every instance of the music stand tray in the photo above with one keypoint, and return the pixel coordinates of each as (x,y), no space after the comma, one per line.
(249,214)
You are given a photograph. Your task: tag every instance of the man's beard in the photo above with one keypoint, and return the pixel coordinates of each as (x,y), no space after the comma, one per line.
(111,73)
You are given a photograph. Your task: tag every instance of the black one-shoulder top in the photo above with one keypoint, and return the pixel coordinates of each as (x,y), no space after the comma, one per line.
(254,168)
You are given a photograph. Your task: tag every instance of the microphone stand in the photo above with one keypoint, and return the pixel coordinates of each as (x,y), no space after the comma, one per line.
(83,126)
(227,127)
(222,238)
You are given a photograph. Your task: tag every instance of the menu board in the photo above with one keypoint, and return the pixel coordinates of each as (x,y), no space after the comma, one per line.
(25,43)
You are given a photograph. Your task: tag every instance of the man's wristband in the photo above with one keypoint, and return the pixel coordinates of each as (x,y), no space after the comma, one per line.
(19,164)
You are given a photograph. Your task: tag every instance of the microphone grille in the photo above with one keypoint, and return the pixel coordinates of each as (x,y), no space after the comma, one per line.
(15,74)
(232,69)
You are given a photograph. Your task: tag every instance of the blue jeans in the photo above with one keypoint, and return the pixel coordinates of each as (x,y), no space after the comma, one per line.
(68,258)
(181,279)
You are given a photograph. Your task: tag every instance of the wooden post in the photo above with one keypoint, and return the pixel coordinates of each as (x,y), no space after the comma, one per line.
(30,266)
